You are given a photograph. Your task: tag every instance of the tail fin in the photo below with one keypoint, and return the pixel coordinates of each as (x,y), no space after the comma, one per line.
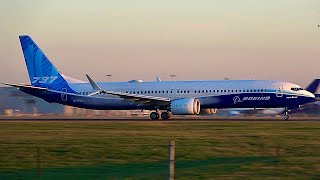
(313,86)
(42,72)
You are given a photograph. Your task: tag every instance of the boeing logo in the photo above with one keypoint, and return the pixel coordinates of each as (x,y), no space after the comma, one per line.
(237,99)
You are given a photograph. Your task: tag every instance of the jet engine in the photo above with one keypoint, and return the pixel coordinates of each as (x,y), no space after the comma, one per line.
(185,106)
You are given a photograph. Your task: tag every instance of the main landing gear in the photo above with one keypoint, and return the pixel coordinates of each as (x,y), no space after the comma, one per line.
(286,114)
(165,115)
(156,115)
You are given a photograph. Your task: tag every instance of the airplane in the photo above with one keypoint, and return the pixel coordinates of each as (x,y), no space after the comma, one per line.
(169,97)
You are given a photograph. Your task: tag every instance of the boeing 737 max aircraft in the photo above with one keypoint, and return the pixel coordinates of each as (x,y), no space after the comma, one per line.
(169,97)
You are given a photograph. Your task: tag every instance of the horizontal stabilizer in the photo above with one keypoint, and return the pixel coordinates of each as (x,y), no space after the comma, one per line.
(23,86)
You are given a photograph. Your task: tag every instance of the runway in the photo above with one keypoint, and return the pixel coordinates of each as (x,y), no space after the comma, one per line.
(146,119)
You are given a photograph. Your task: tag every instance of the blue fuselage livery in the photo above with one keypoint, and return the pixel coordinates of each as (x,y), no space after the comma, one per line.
(170,97)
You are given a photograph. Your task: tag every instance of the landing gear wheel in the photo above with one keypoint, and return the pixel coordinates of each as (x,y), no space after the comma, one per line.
(286,114)
(165,115)
(154,115)
(286,117)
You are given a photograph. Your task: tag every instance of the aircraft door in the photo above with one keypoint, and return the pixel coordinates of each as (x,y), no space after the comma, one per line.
(64,96)
(279,92)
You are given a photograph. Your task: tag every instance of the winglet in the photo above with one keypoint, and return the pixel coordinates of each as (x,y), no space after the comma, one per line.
(93,84)
(95,87)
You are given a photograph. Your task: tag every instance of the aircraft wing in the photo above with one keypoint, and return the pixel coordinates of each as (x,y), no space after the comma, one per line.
(24,86)
(137,98)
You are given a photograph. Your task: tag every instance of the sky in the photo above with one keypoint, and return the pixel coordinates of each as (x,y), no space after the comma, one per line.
(142,39)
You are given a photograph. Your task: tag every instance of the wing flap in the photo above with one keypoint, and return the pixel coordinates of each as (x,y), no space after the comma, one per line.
(137,96)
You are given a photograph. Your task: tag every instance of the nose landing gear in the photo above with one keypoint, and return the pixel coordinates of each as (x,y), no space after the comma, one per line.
(286,114)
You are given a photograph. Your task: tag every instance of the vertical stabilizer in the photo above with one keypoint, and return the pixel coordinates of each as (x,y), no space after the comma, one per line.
(42,72)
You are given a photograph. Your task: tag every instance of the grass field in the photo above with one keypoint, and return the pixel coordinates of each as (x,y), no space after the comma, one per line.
(138,150)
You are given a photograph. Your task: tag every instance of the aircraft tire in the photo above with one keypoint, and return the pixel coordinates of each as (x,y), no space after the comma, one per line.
(165,115)
(154,116)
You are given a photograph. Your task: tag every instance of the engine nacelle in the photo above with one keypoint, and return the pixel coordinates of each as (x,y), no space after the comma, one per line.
(185,106)
(208,111)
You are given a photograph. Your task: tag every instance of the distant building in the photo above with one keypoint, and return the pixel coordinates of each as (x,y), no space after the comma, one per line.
(13,101)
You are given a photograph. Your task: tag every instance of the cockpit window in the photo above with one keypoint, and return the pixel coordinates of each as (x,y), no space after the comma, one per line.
(296,89)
